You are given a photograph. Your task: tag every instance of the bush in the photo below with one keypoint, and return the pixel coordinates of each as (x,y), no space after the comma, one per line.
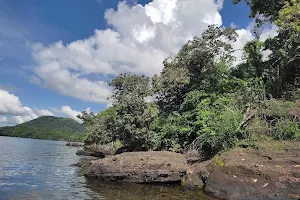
(257,128)
(217,125)
(221,132)
(277,108)
(286,129)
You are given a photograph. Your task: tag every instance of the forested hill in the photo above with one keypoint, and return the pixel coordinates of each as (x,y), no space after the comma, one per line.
(48,128)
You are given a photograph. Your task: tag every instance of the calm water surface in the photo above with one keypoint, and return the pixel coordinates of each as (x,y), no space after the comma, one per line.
(40,169)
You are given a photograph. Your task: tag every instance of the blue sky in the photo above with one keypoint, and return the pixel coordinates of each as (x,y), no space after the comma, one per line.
(41,75)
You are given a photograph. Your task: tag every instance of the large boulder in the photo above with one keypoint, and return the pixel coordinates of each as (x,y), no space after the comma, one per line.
(140,167)
(249,174)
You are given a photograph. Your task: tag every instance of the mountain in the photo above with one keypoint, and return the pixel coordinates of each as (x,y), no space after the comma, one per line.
(47,128)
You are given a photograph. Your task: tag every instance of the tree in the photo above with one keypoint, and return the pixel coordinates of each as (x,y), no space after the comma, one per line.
(253,65)
(281,70)
(133,113)
(268,8)
(100,129)
(197,66)
(283,63)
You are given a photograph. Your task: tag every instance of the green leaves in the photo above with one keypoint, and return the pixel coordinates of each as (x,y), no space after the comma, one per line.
(133,114)
(201,100)
(201,64)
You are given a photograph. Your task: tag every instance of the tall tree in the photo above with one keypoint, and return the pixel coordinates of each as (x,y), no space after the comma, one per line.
(281,70)
(196,67)
(133,113)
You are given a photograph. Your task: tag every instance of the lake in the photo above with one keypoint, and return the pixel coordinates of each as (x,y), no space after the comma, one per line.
(42,169)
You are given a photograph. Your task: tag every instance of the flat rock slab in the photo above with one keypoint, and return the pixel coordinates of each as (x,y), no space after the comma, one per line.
(244,174)
(140,167)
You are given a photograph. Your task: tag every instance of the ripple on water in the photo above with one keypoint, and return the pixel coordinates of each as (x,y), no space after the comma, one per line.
(39,169)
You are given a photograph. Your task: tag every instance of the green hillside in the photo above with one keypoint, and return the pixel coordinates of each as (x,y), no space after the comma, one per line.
(47,128)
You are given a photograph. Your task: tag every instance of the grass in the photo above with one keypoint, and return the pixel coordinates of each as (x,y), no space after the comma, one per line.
(218,161)
(268,144)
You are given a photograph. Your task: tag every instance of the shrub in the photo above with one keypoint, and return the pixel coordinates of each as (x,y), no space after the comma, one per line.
(257,128)
(286,129)
(277,108)
(217,125)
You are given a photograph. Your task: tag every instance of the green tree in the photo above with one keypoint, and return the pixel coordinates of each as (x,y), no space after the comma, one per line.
(268,8)
(100,129)
(133,113)
(197,66)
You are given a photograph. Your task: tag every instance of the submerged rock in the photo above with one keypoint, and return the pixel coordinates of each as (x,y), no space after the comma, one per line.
(140,167)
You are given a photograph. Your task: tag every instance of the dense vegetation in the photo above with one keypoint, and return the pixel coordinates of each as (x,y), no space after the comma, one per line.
(47,128)
(202,101)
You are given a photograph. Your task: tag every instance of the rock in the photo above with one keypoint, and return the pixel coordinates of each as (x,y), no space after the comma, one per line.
(130,149)
(196,176)
(193,156)
(140,167)
(84,153)
(124,149)
(76,165)
(98,154)
(88,153)
(105,149)
(249,174)
(74,144)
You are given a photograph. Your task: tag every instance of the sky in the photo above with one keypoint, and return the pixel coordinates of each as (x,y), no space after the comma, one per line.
(57,57)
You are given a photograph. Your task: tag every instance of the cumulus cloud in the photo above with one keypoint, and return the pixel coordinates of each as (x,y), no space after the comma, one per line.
(67,111)
(138,39)
(10,104)
(13,112)
(71,113)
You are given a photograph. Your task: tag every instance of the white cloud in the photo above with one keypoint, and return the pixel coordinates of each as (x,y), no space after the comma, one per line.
(139,39)
(10,104)
(3,119)
(13,112)
(108,105)
(244,36)
(70,113)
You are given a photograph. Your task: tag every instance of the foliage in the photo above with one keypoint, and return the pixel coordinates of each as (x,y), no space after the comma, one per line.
(201,101)
(100,129)
(286,129)
(257,128)
(199,65)
(268,8)
(133,113)
(218,123)
(277,108)
(47,128)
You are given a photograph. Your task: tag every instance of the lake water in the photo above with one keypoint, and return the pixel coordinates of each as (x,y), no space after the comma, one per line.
(41,169)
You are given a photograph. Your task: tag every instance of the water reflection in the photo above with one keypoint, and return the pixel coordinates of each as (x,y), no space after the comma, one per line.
(127,191)
(38,169)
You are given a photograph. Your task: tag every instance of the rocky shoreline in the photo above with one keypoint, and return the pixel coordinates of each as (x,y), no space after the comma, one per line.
(240,173)
(75,144)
